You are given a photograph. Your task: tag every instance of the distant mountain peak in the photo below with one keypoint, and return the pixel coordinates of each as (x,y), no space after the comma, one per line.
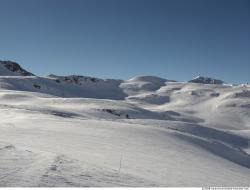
(13,68)
(206,80)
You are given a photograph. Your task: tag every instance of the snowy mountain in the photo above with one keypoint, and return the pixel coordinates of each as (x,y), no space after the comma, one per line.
(60,131)
(206,80)
(10,68)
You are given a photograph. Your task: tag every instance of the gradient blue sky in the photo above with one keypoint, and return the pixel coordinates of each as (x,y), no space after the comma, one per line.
(174,39)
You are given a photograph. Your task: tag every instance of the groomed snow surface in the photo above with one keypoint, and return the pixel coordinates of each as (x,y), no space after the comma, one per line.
(79,131)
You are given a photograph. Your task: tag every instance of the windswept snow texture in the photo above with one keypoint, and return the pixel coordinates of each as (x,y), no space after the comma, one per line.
(77,131)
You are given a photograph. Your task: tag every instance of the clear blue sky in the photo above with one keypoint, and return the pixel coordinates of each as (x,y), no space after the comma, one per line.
(174,39)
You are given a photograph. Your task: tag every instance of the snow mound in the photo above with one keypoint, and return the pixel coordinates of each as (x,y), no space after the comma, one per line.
(152,79)
(70,87)
(206,80)
(9,68)
(142,84)
(91,87)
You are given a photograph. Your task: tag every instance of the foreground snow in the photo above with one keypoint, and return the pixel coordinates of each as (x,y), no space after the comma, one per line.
(146,131)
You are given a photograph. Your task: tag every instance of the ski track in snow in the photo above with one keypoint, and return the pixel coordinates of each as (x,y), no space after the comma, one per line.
(28,169)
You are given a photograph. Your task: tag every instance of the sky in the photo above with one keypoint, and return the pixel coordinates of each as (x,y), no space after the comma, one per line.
(173,39)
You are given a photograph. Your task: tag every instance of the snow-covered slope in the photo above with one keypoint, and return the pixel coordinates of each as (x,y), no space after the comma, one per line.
(103,89)
(146,131)
(142,84)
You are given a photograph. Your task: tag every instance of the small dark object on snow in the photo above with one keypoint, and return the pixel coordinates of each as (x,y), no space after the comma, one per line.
(37,86)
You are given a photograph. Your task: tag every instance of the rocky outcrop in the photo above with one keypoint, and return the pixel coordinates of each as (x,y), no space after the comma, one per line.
(15,68)
(206,80)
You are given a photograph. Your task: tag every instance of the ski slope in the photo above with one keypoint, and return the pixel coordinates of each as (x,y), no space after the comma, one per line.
(76,131)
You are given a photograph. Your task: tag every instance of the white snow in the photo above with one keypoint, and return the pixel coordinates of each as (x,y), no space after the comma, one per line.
(144,132)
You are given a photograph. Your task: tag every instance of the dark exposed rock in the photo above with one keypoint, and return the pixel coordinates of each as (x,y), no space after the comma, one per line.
(111,111)
(76,79)
(116,113)
(215,94)
(206,80)
(37,86)
(15,67)
(242,94)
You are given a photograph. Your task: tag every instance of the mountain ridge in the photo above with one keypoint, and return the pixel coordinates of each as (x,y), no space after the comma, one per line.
(11,68)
